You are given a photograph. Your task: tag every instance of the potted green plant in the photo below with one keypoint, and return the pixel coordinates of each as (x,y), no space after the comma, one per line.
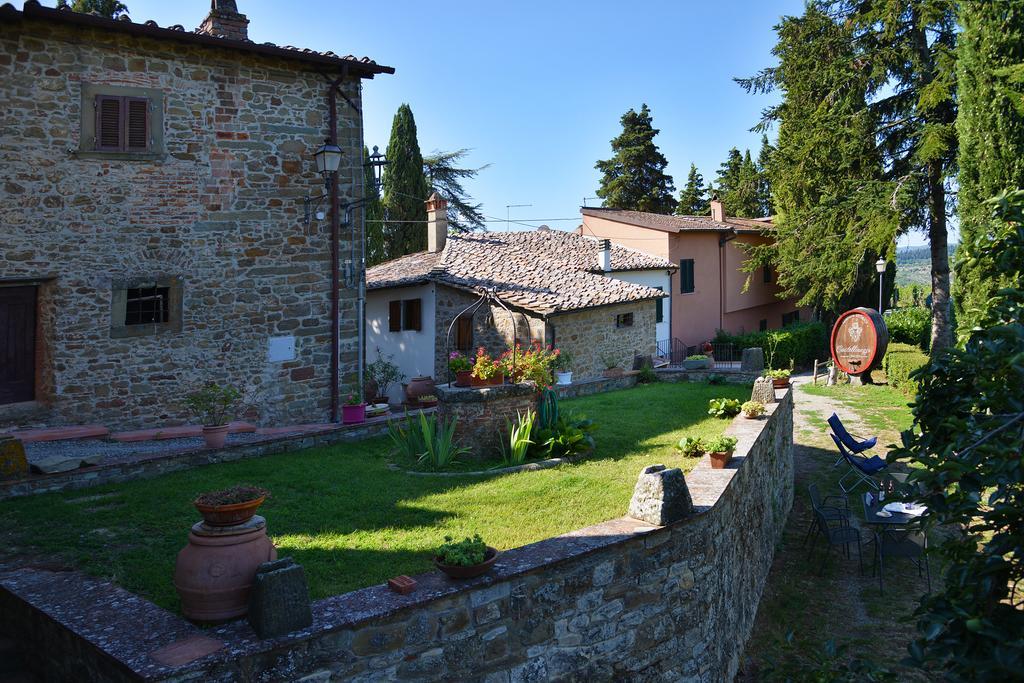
(214,405)
(720,451)
(380,375)
(752,409)
(486,370)
(611,366)
(698,361)
(462,366)
(232,506)
(724,407)
(465,559)
(354,410)
(779,378)
(428,401)
(691,446)
(563,366)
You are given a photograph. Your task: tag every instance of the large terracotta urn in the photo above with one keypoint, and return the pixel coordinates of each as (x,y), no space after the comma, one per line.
(216,570)
(419,386)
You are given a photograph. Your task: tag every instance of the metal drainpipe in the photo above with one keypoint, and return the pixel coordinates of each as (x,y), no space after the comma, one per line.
(332,103)
(361,266)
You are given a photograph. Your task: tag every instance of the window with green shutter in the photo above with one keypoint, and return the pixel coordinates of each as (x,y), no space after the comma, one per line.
(686,276)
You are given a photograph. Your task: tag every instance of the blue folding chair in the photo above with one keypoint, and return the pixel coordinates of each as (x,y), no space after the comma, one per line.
(852,443)
(863,469)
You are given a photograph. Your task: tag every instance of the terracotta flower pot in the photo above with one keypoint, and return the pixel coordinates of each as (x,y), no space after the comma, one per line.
(419,386)
(464,378)
(719,459)
(752,417)
(351,415)
(215,436)
(229,515)
(428,404)
(614,372)
(496,380)
(477,382)
(470,572)
(780,383)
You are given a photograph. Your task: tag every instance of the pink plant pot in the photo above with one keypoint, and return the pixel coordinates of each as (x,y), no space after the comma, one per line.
(351,415)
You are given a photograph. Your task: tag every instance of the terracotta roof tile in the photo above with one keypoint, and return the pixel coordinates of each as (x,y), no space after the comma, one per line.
(657,221)
(545,271)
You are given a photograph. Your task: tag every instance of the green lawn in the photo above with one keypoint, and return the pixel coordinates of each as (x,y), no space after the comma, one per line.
(350,520)
(881,407)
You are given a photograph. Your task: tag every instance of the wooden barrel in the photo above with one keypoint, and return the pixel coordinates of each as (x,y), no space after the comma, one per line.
(859,341)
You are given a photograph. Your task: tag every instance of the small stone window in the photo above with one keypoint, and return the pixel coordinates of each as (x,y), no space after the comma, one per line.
(624,320)
(144,307)
(121,122)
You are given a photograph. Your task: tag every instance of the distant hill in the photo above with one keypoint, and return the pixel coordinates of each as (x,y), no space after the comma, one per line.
(914,265)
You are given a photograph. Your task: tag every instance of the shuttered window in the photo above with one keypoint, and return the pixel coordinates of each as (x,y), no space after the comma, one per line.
(122,124)
(659,311)
(405,314)
(464,334)
(686,276)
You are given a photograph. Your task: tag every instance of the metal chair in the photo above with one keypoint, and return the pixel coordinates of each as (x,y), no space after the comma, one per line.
(819,504)
(908,543)
(862,468)
(837,532)
(855,446)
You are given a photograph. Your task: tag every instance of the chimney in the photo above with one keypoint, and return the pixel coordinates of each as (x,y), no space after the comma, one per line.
(437,223)
(604,256)
(224,21)
(717,210)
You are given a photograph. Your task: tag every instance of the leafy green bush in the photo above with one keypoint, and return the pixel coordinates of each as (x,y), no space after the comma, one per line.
(464,553)
(910,326)
(647,375)
(518,441)
(722,444)
(753,408)
(724,407)
(715,379)
(213,404)
(570,435)
(900,362)
(428,441)
(798,344)
(691,446)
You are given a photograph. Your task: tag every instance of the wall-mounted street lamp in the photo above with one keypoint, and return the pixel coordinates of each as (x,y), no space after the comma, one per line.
(328,161)
(328,158)
(880,267)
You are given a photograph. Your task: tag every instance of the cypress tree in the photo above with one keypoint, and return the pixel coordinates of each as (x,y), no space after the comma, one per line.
(405,189)
(634,178)
(693,200)
(991,132)
(745,202)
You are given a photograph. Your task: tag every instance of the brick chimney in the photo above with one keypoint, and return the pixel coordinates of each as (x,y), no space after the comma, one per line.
(224,21)
(717,210)
(604,256)
(437,223)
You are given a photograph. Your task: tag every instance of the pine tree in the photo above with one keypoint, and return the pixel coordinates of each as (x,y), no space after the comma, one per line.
(376,242)
(693,200)
(832,220)
(405,189)
(446,177)
(728,179)
(111,9)
(634,178)
(991,132)
(764,185)
(745,203)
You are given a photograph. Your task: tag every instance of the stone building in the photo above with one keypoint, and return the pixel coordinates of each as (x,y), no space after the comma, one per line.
(153,235)
(601,303)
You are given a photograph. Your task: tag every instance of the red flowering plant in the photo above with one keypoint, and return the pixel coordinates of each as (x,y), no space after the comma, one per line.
(534,363)
(485,367)
(708,349)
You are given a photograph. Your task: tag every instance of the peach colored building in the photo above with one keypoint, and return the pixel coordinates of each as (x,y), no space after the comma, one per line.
(708,288)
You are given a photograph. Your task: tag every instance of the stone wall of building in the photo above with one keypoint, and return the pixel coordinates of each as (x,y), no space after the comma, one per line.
(591,336)
(220,210)
(483,414)
(620,600)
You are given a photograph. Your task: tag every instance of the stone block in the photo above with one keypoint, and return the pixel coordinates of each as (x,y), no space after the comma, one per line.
(13,464)
(752,360)
(279,603)
(763,391)
(661,496)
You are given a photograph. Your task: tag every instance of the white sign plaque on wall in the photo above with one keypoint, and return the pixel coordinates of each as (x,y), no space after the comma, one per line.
(281,349)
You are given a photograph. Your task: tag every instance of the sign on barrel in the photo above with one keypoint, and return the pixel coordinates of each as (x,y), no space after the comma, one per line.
(859,340)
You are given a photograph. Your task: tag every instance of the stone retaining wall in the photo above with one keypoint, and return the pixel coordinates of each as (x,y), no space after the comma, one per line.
(620,600)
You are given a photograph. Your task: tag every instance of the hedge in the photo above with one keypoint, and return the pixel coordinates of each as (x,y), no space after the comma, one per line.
(799,344)
(910,326)
(901,360)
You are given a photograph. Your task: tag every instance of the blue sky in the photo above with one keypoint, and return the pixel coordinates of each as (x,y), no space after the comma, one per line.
(536,89)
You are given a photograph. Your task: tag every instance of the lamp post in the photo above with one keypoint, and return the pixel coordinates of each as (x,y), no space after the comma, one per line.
(880,267)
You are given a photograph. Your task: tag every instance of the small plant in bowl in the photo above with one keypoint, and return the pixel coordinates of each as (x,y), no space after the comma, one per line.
(698,361)
(691,446)
(465,559)
(779,378)
(724,407)
(214,405)
(752,409)
(428,401)
(720,450)
(232,506)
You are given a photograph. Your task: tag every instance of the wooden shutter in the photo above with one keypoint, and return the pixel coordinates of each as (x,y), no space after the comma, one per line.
(136,118)
(464,334)
(660,308)
(686,275)
(17,344)
(413,315)
(395,316)
(109,125)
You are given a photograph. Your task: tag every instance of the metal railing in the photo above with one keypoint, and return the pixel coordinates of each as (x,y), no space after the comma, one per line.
(671,350)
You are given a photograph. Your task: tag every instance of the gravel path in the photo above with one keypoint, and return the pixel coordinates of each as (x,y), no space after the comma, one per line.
(116,451)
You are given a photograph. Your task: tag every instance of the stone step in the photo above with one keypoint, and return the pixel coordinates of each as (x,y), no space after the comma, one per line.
(180,432)
(60,433)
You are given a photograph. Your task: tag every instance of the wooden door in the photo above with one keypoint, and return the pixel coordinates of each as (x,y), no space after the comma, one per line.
(17,344)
